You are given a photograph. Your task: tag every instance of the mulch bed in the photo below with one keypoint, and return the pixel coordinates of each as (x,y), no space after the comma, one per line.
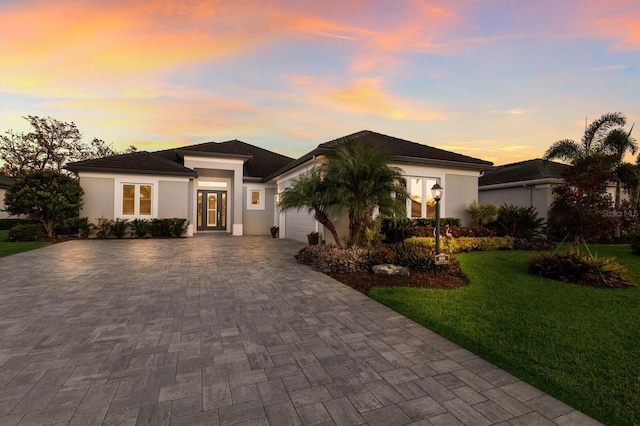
(364,281)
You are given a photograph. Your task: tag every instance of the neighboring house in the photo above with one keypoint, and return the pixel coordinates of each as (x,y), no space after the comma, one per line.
(524,184)
(232,186)
(5,183)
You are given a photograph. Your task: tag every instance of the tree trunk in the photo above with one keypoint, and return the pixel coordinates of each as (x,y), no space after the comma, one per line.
(617,205)
(323,218)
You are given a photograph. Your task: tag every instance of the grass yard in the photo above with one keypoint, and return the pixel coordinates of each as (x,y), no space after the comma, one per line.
(579,344)
(7,248)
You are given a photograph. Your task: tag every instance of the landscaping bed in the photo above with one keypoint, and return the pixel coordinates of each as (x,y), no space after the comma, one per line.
(364,281)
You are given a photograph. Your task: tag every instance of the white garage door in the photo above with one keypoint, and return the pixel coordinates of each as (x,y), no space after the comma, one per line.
(298,225)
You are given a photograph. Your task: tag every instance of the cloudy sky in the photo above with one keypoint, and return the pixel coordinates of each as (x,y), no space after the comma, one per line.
(495,79)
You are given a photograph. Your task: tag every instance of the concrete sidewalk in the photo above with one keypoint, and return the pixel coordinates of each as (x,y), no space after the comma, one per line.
(220,330)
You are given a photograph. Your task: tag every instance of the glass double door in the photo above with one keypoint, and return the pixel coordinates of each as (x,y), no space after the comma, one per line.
(212,210)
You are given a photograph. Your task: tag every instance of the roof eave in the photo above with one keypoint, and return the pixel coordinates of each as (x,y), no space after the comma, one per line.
(446,163)
(185,152)
(131,172)
(520,184)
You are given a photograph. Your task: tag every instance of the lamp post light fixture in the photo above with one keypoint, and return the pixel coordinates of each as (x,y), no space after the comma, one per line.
(437,192)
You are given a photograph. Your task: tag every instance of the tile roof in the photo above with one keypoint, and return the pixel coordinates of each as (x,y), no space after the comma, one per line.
(523,171)
(403,150)
(259,162)
(6,181)
(140,162)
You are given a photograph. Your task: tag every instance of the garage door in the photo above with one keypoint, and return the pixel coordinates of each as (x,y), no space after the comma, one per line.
(298,225)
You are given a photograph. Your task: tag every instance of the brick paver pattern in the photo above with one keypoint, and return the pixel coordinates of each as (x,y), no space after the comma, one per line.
(221,330)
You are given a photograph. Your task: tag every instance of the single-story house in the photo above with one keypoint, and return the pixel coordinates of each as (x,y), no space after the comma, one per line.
(233,186)
(523,184)
(5,183)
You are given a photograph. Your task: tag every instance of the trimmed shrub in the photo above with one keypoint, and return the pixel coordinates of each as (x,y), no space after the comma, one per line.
(582,269)
(80,226)
(6,224)
(31,232)
(140,227)
(381,255)
(415,255)
(119,227)
(177,227)
(103,227)
(332,260)
(456,245)
(160,228)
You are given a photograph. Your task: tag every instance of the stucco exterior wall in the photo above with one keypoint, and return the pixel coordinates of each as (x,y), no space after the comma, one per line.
(98,197)
(257,222)
(459,192)
(539,197)
(173,199)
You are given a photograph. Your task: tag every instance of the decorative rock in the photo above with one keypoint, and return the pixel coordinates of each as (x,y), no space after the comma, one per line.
(388,269)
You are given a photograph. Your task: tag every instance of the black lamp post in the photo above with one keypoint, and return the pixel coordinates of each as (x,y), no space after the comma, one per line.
(436,193)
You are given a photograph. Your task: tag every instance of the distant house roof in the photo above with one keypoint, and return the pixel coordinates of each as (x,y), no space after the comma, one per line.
(259,162)
(524,171)
(6,181)
(404,151)
(141,162)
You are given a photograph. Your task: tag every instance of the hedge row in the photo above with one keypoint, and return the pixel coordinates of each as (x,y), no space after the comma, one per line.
(456,245)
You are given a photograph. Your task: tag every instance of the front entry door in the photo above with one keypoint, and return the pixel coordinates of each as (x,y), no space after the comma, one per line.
(212,210)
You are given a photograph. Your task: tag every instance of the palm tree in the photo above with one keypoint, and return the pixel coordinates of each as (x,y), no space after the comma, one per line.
(593,141)
(308,191)
(616,145)
(361,180)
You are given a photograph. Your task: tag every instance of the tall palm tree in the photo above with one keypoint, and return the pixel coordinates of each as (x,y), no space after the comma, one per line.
(617,144)
(308,191)
(593,141)
(361,180)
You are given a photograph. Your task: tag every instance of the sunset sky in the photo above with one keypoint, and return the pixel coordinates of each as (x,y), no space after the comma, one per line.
(498,79)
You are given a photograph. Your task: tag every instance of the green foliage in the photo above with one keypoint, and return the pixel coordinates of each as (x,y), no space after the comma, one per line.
(573,267)
(6,224)
(119,227)
(177,226)
(160,228)
(46,196)
(634,237)
(462,244)
(140,227)
(414,255)
(518,222)
(482,215)
(580,201)
(382,255)
(576,343)
(103,227)
(332,260)
(371,235)
(82,225)
(26,233)
(48,146)
(536,244)
(8,248)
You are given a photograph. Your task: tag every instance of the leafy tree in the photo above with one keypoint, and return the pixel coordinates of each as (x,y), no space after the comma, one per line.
(581,201)
(360,180)
(48,146)
(308,191)
(47,196)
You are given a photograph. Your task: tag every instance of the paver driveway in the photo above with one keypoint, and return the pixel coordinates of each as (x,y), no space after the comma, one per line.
(223,330)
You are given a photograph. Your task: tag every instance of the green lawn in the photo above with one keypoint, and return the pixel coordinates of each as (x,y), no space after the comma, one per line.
(579,344)
(7,248)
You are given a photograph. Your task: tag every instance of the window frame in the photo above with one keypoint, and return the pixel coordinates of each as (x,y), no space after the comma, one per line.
(137,183)
(261,201)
